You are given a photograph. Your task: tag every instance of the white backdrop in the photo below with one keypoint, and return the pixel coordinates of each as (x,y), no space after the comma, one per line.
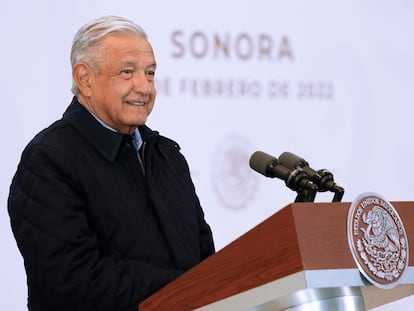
(332,82)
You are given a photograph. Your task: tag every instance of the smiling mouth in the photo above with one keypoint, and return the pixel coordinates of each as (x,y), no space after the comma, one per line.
(136,103)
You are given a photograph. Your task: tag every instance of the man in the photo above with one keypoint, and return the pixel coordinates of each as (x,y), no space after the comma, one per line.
(103,209)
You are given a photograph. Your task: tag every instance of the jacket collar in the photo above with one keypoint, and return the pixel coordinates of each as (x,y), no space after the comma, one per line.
(104,140)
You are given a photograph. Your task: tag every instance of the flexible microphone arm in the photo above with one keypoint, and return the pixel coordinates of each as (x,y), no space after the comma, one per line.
(326,178)
(322,178)
(298,181)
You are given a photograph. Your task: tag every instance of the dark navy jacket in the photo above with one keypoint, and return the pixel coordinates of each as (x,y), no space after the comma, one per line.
(95,232)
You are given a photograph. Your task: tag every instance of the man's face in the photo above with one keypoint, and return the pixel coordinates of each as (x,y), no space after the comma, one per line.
(122,87)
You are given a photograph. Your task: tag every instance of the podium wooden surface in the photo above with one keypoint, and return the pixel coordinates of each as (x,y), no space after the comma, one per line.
(300,237)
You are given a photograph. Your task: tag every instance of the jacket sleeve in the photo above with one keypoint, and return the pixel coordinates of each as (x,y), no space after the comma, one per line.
(207,247)
(206,238)
(61,253)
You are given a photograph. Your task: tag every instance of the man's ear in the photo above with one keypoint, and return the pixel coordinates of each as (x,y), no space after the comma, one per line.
(83,75)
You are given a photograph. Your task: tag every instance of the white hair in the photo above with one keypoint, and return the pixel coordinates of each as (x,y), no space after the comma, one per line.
(91,34)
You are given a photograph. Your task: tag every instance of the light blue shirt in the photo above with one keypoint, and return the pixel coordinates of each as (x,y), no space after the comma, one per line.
(136,135)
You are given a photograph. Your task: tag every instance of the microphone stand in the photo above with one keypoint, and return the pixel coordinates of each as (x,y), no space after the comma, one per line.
(327,182)
(339,193)
(299,182)
(305,195)
(306,191)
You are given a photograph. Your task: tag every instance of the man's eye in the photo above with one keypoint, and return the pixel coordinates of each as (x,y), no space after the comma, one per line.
(150,74)
(127,73)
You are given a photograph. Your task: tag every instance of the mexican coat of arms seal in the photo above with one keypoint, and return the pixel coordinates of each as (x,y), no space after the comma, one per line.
(377,240)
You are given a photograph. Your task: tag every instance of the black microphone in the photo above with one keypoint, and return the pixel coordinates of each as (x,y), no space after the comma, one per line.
(270,166)
(322,178)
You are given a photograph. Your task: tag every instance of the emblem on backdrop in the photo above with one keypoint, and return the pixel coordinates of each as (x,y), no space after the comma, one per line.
(377,240)
(233,182)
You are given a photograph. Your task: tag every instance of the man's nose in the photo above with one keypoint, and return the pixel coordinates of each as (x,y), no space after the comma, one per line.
(142,84)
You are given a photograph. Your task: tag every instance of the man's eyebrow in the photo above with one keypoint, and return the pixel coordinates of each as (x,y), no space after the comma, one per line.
(128,63)
(133,64)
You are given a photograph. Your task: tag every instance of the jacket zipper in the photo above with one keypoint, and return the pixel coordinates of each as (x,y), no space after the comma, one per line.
(139,156)
(142,157)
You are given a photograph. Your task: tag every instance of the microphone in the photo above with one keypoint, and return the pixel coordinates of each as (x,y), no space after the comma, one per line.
(322,178)
(270,166)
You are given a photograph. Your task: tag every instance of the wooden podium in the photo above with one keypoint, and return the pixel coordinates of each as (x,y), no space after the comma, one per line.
(297,257)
